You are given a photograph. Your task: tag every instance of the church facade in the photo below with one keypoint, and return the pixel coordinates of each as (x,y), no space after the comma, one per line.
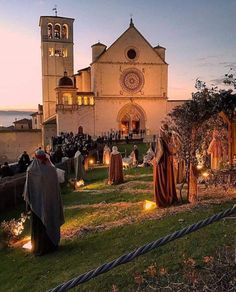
(125,88)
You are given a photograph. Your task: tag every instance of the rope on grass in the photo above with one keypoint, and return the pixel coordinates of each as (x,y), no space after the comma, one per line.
(141,250)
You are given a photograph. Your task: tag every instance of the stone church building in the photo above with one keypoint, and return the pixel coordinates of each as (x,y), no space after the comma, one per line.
(124,88)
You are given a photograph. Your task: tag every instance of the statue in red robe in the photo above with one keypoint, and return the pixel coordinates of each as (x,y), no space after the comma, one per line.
(216,150)
(163,171)
(116,167)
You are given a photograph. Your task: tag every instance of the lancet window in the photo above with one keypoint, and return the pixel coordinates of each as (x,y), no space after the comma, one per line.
(64,32)
(57,31)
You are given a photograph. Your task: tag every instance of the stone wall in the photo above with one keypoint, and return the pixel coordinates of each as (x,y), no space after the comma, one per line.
(11,188)
(13,143)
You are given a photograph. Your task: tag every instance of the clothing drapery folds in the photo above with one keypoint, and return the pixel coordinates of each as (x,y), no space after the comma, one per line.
(42,195)
(163,174)
(115,168)
(106,155)
(215,149)
(79,166)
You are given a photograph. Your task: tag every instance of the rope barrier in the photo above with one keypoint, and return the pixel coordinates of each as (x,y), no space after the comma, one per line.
(141,250)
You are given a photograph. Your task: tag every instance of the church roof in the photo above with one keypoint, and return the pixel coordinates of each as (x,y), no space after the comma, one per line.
(22,121)
(65,80)
(84,93)
(159,47)
(80,70)
(50,120)
(98,44)
(131,26)
(55,17)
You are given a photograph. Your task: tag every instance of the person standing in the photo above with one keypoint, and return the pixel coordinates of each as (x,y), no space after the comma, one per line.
(43,198)
(215,149)
(163,172)
(106,155)
(6,170)
(116,167)
(79,166)
(24,162)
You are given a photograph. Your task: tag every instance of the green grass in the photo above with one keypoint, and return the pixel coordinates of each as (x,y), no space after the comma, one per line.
(96,198)
(127,148)
(21,271)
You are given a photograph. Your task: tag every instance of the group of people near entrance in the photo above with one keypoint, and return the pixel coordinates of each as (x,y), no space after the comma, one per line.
(42,189)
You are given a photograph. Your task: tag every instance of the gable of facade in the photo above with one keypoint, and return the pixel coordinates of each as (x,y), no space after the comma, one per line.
(129,67)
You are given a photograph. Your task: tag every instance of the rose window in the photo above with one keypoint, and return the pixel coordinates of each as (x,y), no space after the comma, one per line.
(132,80)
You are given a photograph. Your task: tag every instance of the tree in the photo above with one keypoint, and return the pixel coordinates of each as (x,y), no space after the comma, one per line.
(189,119)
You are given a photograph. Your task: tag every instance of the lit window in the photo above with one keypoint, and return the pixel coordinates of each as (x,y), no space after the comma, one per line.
(67,98)
(64,32)
(50,52)
(58,52)
(91,100)
(85,100)
(50,31)
(79,100)
(64,52)
(57,31)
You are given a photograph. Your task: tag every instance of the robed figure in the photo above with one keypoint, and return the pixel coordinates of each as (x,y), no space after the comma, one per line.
(163,172)
(116,167)
(215,149)
(79,166)
(147,158)
(106,155)
(42,195)
(178,162)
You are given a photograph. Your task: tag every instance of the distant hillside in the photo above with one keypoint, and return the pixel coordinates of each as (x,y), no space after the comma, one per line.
(15,112)
(8,117)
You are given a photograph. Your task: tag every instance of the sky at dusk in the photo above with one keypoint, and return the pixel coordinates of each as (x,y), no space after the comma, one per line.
(199,37)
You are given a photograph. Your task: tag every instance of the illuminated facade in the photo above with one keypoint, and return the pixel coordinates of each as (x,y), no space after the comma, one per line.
(124,88)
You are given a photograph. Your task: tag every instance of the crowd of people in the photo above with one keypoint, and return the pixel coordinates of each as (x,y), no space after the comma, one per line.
(22,164)
(47,211)
(67,144)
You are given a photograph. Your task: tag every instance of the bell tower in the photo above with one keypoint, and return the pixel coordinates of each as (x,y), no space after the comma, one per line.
(57,56)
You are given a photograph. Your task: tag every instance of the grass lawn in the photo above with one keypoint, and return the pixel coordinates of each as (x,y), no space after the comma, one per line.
(102,223)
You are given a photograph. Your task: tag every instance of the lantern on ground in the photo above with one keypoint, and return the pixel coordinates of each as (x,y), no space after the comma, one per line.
(149,205)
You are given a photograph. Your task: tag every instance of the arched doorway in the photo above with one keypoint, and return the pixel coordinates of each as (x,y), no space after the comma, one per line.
(80,130)
(131,119)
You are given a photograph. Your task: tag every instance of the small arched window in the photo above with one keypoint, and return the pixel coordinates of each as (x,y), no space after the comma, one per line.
(64,33)
(57,31)
(79,100)
(64,52)
(85,100)
(50,52)
(50,28)
(67,98)
(91,100)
